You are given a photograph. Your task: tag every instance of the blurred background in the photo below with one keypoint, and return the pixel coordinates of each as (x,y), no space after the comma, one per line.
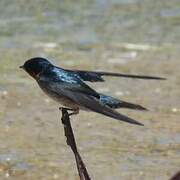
(127,36)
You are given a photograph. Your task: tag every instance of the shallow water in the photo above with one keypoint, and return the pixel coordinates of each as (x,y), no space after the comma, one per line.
(134,36)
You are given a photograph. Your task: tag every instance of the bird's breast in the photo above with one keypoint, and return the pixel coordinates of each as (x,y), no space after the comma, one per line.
(58,97)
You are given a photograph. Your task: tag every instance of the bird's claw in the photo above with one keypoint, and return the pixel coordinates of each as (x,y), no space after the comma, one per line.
(74,111)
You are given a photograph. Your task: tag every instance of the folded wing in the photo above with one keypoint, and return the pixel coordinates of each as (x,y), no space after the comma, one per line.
(93,104)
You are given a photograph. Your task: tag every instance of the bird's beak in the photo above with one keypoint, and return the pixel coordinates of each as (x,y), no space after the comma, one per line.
(22,67)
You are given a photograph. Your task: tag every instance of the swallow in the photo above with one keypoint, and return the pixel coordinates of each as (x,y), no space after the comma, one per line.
(68,88)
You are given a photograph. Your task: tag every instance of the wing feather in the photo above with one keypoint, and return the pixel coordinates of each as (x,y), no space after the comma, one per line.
(94,76)
(93,104)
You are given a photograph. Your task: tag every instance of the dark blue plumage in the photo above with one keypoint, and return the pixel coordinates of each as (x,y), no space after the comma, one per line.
(68,88)
(94,76)
(116,103)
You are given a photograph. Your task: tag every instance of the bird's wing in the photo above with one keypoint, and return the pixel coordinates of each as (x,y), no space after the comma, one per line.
(93,104)
(60,78)
(94,76)
(87,100)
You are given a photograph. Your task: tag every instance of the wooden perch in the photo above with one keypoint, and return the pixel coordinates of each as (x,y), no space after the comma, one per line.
(83,174)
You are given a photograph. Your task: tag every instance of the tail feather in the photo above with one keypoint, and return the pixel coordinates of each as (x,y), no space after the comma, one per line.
(124,104)
(130,76)
(97,76)
(116,103)
(111,113)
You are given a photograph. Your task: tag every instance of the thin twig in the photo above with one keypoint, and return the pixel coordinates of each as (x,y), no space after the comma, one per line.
(83,174)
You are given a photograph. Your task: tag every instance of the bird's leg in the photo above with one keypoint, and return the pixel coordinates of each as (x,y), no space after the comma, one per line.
(74,111)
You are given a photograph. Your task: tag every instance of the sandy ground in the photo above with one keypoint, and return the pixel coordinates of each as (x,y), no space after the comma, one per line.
(131,37)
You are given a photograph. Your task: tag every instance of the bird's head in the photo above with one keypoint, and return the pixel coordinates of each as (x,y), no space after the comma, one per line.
(35,66)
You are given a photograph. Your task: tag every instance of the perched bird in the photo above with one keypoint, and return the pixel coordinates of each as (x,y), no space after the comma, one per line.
(69,89)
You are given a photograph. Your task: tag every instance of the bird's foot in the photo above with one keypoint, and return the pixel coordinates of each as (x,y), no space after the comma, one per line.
(68,109)
(74,111)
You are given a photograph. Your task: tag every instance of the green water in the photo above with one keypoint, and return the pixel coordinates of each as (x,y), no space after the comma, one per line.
(130,36)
